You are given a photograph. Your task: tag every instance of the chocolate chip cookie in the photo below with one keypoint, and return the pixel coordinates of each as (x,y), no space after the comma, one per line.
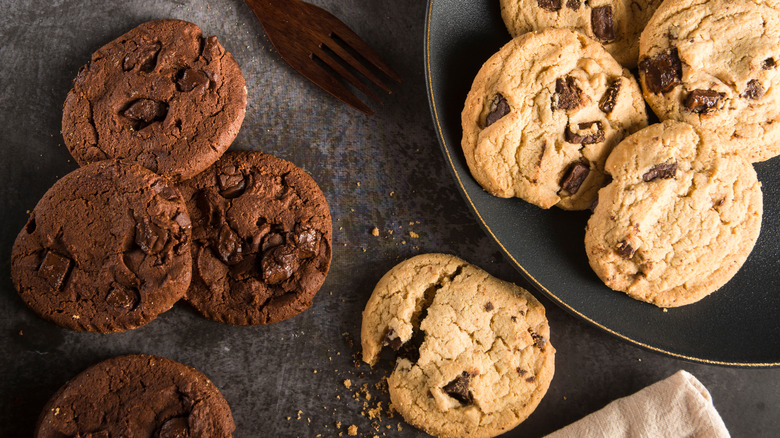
(614,23)
(679,218)
(713,64)
(261,239)
(162,95)
(106,249)
(474,356)
(543,114)
(139,396)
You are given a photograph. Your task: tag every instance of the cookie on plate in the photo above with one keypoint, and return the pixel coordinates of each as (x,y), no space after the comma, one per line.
(542,116)
(106,249)
(262,236)
(162,95)
(475,358)
(679,218)
(713,64)
(614,23)
(137,396)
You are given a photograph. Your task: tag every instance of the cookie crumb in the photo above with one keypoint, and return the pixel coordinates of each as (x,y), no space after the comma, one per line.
(352,430)
(299,414)
(348,383)
(413,235)
(358,183)
(375,232)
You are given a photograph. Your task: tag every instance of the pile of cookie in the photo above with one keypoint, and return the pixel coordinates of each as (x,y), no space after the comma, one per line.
(557,118)
(158,212)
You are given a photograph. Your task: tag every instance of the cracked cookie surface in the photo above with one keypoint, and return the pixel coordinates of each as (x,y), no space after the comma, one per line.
(713,64)
(614,23)
(474,353)
(139,396)
(543,114)
(679,218)
(162,95)
(106,249)
(262,237)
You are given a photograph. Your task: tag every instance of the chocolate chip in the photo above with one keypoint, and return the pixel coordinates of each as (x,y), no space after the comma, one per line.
(122,298)
(150,237)
(392,340)
(54,269)
(145,58)
(232,183)
(191,79)
(279,264)
(625,250)
(229,246)
(272,240)
(530,379)
(663,72)
(768,64)
(211,49)
(489,306)
(175,427)
(587,133)
(702,101)
(163,189)
(459,388)
(663,170)
(550,5)
(575,176)
(308,243)
(539,340)
(609,99)
(145,112)
(754,90)
(498,108)
(567,94)
(573,4)
(521,371)
(602,23)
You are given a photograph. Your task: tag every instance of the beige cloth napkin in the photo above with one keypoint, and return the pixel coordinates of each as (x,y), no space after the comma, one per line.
(678,406)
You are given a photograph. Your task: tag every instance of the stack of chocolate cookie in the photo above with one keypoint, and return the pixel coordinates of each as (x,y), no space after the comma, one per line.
(157,213)
(553,118)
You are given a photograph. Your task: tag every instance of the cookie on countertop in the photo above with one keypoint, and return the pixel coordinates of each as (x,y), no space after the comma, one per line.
(162,95)
(679,218)
(713,64)
(474,353)
(616,24)
(542,116)
(138,396)
(106,249)
(262,237)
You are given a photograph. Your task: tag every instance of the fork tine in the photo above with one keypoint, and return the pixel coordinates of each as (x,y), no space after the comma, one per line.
(357,65)
(343,72)
(321,77)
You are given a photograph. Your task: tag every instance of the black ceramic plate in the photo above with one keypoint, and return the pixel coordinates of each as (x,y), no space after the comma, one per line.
(738,325)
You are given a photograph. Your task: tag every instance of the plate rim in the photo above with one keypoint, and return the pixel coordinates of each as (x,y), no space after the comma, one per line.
(540,287)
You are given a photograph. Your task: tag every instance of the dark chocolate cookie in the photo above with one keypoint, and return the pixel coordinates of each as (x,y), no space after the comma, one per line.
(162,95)
(261,239)
(106,249)
(138,396)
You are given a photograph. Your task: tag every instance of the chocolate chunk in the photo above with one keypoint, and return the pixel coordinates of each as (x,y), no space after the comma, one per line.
(122,298)
(625,250)
(392,340)
(211,206)
(232,183)
(702,101)
(229,247)
(573,4)
(175,427)
(530,379)
(163,189)
(145,58)
(54,269)
(211,49)
(498,108)
(602,23)
(575,177)
(190,79)
(754,90)
(145,112)
(663,72)
(550,5)
(279,264)
(587,133)
(150,237)
(663,170)
(609,99)
(459,388)
(567,94)
(489,306)
(539,340)
(308,243)
(272,240)
(768,64)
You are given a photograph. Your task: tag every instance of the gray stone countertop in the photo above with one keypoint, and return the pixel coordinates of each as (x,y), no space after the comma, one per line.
(385,171)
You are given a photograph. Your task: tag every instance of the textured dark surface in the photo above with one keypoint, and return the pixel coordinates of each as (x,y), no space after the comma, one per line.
(385,171)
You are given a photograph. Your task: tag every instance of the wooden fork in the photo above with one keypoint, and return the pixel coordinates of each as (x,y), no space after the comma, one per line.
(310,38)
